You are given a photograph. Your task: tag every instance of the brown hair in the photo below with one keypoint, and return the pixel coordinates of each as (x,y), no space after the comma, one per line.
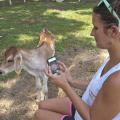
(107,17)
(10,51)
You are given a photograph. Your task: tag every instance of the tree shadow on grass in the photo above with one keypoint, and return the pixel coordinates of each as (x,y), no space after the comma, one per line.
(27,19)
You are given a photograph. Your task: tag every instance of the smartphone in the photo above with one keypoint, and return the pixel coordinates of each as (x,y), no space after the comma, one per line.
(52,62)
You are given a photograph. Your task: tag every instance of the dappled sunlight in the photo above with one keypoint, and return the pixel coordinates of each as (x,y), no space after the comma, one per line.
(63,20)
(5,104)
(32,107)
(85,63)
(14,100)
(2,85)
(11,11)
(19,12)
(7,29)
(69,14)
(24,38)
(9,84)
(12,28)
(2,18)
(59,37)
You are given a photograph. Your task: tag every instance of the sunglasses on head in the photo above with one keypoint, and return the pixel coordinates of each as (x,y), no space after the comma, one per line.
(109,7)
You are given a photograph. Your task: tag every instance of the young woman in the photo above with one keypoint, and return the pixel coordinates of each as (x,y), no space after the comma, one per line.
(101,100)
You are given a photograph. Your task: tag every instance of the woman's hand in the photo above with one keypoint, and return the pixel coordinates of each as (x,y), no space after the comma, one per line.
(62,78)
(65,70)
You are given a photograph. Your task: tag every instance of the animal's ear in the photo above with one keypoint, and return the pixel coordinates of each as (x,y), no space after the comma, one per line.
(9,58)
(10,53)
(18,63)
(45,30)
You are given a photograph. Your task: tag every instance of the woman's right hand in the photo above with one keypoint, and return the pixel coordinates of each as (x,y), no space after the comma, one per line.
(65,70)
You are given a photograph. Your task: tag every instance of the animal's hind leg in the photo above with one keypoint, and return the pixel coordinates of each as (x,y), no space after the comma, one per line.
(44,92)
(38,88)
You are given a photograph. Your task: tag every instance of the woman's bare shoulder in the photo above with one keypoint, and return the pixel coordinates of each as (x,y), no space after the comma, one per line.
(111,87)
(114,79)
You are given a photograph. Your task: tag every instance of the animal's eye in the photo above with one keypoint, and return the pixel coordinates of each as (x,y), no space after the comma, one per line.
(10,61)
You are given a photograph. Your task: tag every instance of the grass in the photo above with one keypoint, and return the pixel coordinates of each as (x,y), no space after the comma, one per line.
(70,22)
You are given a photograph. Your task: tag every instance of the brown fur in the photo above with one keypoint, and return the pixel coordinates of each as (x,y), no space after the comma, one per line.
(11,51)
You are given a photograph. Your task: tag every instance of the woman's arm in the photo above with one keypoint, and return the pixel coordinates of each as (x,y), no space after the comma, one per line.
(80,105)
(80,84)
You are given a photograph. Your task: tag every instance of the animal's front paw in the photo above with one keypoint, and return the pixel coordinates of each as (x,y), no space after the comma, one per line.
(37,101)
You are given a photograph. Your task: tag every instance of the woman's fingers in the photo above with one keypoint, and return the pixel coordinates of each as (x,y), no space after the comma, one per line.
(48,72)
(63,66)
(61,63)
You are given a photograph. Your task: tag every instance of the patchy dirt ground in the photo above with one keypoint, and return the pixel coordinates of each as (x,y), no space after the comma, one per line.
(17,99)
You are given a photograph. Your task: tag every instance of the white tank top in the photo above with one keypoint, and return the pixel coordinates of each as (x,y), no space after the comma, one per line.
(95,85)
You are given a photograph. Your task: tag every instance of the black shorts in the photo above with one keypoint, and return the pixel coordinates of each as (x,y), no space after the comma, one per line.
(68,117)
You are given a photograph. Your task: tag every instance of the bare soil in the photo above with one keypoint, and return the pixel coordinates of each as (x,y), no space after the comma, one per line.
(17,99)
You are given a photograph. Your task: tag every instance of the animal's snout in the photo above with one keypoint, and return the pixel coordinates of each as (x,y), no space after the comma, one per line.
(1,72)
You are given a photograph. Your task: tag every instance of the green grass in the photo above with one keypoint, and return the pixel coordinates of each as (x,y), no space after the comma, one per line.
(70,22)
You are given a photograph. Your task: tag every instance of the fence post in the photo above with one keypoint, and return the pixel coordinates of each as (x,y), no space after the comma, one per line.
(10,2)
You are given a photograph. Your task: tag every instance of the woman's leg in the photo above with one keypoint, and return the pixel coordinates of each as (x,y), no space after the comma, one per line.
(46,115)
(58,105)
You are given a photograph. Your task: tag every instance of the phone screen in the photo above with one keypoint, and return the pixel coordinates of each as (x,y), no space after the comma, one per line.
(52,62)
